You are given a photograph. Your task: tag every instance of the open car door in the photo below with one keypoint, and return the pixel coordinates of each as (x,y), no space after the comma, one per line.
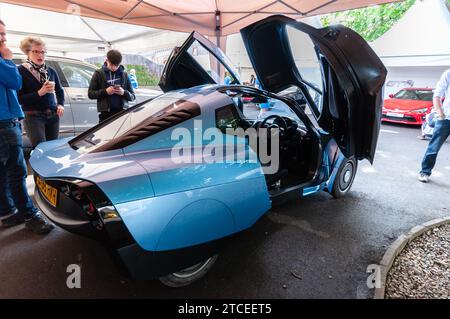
(197,62)
(352,78)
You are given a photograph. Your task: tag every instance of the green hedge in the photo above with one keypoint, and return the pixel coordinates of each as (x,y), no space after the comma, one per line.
(144,78)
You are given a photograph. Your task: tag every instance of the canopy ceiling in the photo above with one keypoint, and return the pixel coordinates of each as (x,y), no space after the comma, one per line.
(209,17)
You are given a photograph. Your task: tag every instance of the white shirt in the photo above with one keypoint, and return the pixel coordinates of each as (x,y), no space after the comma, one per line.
(443,90)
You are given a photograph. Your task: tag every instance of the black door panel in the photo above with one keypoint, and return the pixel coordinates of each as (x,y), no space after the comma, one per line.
(353,77)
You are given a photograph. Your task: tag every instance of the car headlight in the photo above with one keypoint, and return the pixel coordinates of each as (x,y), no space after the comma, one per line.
(424,110)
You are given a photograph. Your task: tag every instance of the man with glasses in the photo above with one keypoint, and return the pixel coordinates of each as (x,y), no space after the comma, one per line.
(111,87)
(15,204)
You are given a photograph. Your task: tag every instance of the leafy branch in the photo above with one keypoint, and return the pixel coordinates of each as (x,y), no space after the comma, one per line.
(370,22)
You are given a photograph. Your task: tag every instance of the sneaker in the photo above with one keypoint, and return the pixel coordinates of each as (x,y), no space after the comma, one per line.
(12,220)
(2,217)
(424,178)
(38,225)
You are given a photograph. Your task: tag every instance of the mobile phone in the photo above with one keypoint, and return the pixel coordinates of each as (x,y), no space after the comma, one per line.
(117,86)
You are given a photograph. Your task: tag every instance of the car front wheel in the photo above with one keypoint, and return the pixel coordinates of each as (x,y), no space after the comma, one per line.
(344,177)
(188,275)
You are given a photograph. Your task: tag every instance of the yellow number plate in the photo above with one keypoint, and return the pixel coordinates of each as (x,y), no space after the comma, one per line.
(50,193)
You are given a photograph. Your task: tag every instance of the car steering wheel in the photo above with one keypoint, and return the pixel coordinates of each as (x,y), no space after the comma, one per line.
(283,125)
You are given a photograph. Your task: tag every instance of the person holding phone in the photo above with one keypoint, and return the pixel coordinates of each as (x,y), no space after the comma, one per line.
(41,95)
(111,87)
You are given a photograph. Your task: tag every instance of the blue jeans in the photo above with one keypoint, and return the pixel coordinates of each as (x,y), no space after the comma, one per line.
(13,171)
(41,127)
(440,134)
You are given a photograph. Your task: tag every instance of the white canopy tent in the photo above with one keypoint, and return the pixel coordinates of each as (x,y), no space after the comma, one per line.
(78,37)
(416,50)
(209,17)
(216,18)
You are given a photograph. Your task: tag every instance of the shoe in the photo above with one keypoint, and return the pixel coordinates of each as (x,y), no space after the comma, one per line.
(12,220)
(38,225)
(424,178)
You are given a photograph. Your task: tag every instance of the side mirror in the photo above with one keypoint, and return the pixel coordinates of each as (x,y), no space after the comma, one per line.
(391,96)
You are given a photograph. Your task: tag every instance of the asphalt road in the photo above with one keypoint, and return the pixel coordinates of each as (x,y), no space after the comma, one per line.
(329,243)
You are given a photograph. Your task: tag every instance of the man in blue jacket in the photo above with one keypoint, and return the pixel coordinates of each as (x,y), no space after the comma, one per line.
(15,205)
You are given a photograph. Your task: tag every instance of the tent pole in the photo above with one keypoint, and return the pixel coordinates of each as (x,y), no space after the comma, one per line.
(107,43)
(220,44)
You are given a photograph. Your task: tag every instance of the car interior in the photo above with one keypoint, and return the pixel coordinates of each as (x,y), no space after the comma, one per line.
(299,145)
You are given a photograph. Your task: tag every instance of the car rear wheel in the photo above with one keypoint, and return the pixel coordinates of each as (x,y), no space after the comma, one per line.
(188,275)
(344,178)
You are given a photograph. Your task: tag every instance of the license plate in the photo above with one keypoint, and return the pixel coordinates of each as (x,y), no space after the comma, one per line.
(394,114)
(50,193)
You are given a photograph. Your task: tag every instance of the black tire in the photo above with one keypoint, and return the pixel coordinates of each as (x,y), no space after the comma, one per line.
(344,178)
(188,275)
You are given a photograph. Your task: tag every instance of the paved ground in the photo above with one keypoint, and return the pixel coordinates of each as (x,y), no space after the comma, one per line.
(328,242)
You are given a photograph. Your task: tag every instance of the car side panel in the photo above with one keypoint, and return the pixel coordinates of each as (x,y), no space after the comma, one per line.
(180,219)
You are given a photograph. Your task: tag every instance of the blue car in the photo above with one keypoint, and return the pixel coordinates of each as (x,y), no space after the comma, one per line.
(166,183)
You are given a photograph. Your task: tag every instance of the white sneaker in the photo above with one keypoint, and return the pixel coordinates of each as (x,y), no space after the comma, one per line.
(424,178)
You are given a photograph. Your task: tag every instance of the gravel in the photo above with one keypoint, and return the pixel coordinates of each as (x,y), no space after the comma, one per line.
(422,269)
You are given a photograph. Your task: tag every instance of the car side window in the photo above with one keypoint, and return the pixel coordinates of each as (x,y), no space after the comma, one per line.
(259,108)
(77,75)
(227,118)
(211,64)
(308,64)
(17,61)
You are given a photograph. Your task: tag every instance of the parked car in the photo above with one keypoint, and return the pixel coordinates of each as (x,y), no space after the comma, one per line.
(163,204)
(80,112)
(428,126)
(408,106)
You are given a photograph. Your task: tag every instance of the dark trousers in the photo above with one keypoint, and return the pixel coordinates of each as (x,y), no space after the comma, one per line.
(41,127)
(103,116)
(440,134)
(13,171)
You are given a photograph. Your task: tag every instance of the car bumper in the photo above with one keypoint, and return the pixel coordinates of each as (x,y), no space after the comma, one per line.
(75,222)
(406,118)
(132,259)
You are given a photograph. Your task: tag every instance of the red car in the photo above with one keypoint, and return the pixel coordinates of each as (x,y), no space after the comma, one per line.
(408,106)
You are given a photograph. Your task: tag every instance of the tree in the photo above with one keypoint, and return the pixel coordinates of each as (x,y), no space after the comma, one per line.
(370,22)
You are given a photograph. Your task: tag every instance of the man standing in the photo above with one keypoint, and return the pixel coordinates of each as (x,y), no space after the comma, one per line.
(15,205)
(111,87)
(441,128)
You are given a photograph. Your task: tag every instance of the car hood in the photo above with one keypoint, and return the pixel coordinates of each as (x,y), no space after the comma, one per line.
(406,105)
(120,178)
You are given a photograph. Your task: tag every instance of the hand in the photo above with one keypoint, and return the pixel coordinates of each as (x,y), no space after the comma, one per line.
(60,110)
(46,88)
(5,52)
(440,115)
(119,91)
(110,90)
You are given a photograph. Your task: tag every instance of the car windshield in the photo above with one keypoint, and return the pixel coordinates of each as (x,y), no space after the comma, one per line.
(422,95)
(137,123)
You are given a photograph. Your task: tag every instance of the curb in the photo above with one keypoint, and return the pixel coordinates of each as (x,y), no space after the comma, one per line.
(394,250)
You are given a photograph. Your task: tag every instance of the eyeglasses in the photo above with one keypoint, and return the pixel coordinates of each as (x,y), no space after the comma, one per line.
(39,52)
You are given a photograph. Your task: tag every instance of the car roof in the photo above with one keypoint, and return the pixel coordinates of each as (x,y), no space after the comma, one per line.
(54,58)
(421,89)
